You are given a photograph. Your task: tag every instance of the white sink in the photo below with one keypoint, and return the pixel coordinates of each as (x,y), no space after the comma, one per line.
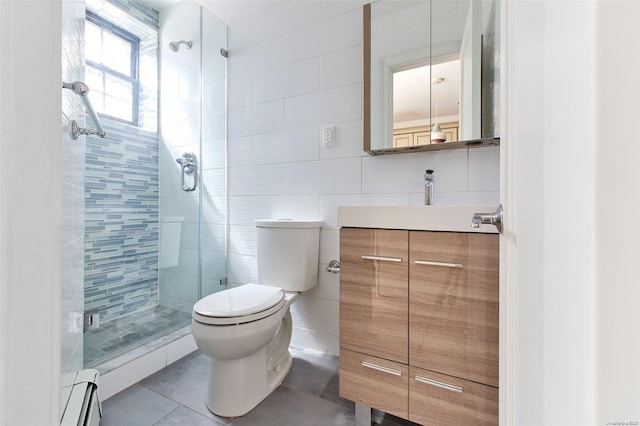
(430,218)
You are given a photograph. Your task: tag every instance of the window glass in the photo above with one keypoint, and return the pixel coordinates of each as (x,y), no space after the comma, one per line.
(118,97)
(93,44)
(95,80)
(116,53)
(112,73)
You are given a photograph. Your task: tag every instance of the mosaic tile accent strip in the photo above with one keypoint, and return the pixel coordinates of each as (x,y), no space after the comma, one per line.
(121,221)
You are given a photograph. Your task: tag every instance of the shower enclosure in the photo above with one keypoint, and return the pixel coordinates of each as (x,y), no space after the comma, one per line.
(155,202)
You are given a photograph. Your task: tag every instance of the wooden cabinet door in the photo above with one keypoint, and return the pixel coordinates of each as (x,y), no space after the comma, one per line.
(436,399)
(453,286)
(374,292)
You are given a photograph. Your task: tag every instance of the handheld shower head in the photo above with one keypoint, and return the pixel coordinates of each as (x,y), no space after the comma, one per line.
(175,45)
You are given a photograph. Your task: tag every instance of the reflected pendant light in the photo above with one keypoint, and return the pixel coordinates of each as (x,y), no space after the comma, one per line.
(437,135)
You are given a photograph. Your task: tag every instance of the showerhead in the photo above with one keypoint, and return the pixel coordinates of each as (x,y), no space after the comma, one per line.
(175,45)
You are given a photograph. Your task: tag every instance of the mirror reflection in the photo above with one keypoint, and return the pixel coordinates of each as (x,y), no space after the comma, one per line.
(432,73)
(413,118)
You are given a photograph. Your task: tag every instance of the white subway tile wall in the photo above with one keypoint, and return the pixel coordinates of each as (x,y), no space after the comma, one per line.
(294,68)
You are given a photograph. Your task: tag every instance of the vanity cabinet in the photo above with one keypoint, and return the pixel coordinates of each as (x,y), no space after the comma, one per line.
(419,324)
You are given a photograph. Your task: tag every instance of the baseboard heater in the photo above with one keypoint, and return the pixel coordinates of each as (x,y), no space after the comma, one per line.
(83,407)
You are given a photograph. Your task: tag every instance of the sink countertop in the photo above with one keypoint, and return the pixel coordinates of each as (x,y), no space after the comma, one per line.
(429,218)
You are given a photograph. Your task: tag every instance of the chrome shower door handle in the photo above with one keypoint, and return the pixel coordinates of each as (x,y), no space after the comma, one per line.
(494,218)
(188,166)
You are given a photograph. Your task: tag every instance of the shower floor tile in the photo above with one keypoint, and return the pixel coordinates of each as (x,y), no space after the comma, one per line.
(307,397)
(114,337)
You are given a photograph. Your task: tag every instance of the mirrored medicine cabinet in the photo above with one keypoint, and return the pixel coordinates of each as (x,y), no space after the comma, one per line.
(431,75)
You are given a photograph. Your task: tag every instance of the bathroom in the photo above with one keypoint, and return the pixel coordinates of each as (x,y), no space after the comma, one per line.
(531,174)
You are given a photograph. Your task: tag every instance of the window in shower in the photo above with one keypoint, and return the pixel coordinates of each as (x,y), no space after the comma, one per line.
(112,69)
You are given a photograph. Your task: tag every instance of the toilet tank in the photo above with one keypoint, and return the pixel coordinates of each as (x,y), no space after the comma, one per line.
(288,253)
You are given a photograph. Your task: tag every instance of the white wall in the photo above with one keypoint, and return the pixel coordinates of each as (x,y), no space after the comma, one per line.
(617,209)
(553,145)
(295,67)
(30,212)
(572,195)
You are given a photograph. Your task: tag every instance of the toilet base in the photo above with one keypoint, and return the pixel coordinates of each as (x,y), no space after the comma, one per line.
(238,386)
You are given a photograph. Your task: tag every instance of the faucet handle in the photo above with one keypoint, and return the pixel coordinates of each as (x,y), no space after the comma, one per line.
(494,218)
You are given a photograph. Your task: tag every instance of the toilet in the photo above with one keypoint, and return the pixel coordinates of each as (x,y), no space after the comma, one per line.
(246,330)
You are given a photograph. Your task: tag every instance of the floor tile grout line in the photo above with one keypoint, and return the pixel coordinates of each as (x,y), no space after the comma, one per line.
(180,404)
(307,392)
(167,415)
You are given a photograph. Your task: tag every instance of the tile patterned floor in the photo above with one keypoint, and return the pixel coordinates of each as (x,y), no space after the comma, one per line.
(119,335)
(175,396)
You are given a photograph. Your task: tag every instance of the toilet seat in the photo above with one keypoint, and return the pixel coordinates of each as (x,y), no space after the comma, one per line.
(239,305)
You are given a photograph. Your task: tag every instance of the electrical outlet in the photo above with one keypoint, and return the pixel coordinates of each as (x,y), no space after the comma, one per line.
(77,319)
(328,137)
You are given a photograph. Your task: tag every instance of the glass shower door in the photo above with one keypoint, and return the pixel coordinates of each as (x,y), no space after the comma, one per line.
(192,252)
(213,199)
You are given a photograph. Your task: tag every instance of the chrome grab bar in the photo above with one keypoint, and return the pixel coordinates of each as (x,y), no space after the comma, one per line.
(188,166)
(381,368)
(434,263)
(384,259)
(438,384)
(82,90)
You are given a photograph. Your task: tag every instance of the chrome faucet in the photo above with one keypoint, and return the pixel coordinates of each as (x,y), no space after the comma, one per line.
(428,187)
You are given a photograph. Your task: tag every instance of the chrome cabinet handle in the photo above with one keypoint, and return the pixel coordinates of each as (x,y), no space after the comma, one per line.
(381,368)
(384,259)
(434,263)
(494,218)
(438,384)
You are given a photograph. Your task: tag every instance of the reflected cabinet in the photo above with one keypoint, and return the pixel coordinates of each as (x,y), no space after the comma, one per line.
(419,324)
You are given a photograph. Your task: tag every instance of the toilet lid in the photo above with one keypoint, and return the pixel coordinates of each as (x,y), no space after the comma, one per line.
(249,302)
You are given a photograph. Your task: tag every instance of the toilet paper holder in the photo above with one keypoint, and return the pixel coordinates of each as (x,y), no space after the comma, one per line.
(333,266)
